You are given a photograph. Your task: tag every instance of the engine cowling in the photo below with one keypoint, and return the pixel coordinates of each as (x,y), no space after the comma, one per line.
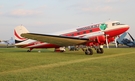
(97,40)
(101,39)
(111,39)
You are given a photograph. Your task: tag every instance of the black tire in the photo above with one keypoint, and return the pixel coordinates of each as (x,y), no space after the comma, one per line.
(100,50)
(86,52)
(28,51)
(89,51)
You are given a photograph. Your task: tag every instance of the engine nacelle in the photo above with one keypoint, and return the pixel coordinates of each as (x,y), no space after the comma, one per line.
(111,39)
(97,40)
(101,39)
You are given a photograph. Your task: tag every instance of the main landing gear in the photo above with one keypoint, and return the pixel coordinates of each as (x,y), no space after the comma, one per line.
(89,51)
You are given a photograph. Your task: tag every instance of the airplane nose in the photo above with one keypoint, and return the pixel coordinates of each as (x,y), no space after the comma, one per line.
(126,27)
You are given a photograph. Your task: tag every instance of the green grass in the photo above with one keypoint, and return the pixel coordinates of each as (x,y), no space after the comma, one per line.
(116,64)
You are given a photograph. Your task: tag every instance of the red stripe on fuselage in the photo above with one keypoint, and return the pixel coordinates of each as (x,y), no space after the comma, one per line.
(76,33)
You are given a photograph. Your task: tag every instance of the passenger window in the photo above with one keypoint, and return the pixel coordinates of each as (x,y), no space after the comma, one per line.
(72,34)
(90,30)
(113,24)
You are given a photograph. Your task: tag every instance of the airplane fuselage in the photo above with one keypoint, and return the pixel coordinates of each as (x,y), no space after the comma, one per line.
(97,34)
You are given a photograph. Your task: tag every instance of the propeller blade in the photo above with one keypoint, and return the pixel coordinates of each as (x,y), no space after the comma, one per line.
(131,36)
(115,41)
(106,41)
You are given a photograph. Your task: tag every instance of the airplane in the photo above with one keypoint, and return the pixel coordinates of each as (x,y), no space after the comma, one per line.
(128,41)
(7,43)
(94,35)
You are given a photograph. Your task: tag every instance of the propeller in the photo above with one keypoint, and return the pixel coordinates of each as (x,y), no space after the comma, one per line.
(106,41)
(131,36)
(115,41)
(103,26)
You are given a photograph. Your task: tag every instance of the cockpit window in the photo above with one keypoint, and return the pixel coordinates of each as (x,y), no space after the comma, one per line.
(118,23)
(115,24)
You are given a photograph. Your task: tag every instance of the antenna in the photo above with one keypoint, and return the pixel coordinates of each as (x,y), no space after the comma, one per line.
(109,19)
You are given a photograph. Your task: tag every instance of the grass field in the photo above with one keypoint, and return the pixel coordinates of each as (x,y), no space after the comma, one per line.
(116,64)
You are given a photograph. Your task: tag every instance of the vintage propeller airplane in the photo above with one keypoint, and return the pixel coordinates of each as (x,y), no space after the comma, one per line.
(95,35)
(128,41)
(7,43)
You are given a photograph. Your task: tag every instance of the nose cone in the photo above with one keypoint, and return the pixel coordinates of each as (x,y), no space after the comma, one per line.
(127,27)
(124,28)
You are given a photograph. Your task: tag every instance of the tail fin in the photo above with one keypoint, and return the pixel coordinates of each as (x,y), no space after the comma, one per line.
(17,33)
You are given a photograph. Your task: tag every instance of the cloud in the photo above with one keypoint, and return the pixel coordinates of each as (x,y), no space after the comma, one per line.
(21,4)
(23,12)
(1,13)
(98,9)
(97,6)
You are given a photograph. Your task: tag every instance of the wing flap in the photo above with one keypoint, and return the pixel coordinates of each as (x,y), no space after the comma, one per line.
(54,39)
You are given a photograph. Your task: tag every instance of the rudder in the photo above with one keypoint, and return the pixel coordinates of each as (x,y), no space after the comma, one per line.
(17,33)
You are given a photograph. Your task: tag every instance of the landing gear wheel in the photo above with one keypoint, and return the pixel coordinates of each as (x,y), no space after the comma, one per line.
(89,51)
(100,50)
(28,51)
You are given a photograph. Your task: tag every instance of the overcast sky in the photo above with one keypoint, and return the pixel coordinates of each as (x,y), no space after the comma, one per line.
(49,16)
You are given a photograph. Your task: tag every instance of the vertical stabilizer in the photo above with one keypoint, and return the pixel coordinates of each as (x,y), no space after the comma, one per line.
(17,33)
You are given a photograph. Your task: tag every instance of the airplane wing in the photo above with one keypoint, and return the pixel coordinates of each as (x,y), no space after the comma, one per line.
(55,39)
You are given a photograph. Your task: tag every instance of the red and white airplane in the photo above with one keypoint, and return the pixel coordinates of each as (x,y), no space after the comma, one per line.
(95,35)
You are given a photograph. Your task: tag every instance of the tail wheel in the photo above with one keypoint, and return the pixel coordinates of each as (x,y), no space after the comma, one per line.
(28,51)
(89,51)
(100,50)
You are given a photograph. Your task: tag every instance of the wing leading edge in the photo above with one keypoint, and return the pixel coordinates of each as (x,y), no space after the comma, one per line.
(55,39)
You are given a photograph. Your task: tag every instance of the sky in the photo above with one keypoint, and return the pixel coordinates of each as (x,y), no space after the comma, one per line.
(50,16)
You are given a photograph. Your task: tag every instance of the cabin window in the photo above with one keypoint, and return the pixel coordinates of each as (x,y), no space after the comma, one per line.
(72,34)
(84,32)
(91,26)
(78,33)
(94,26)
(113,24)
(90,30)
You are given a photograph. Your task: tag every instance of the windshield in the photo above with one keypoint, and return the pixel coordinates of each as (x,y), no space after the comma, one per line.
(116,23)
